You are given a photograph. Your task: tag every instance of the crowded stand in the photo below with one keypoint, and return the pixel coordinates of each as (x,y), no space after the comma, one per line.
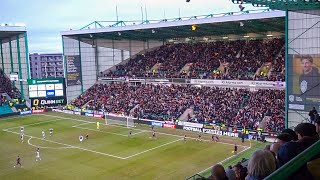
(238,59)
(231,107)
(7,87)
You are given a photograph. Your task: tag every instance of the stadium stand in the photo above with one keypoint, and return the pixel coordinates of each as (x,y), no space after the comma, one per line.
(232,107)
(10,96)
(7,87)
(214,60)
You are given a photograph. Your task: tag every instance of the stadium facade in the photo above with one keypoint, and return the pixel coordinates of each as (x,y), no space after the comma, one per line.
(14,55)
(91,50)
(97,47)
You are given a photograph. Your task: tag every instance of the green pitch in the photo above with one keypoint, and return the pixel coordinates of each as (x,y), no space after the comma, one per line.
(109,153)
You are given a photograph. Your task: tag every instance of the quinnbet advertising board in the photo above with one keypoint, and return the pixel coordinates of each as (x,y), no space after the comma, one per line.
(47,92)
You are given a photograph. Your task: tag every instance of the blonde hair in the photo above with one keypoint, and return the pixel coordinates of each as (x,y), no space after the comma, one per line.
(261,164)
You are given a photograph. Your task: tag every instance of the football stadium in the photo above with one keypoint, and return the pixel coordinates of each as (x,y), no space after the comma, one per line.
(234,95)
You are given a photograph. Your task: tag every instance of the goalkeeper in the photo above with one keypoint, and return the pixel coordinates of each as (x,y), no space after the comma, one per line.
(98,125)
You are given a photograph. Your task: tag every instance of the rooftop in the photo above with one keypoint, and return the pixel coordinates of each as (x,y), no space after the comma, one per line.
(260,22)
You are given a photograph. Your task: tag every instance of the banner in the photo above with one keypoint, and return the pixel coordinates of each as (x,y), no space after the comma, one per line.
(172,126)
(57,110)
(39,111)
(74,75)
(88,114)
(77,113)
(159,124)
(194,129)
(68,112)
(198,125)
(220,133)
(98,115)
(236,83)
(25,112)
(48,102)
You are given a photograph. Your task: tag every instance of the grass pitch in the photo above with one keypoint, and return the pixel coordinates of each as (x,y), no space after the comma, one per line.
(108,154)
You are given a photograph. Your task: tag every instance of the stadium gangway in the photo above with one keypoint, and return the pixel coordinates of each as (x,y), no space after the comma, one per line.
(294,164)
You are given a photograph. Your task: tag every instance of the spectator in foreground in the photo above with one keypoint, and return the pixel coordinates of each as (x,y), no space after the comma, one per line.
(261,164)
(218,173)
(307,135)
(291,132)
(318,126)
(231,175)
(281,139)
(241,172)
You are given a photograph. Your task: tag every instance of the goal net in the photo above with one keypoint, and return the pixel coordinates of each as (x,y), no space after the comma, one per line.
(118,120)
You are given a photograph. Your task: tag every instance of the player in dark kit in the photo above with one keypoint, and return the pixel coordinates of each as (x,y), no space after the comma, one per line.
(199,137)
(87,136)
(18,162)
(235,149)
(130,133)
(185,138)
(153,134)
(51,131)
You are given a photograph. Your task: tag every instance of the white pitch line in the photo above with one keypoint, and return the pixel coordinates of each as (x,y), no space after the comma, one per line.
(152,148)
(224,160)
(33,124)
(137,133)
(43,147)
(71,146)
(101,131)
(82,124)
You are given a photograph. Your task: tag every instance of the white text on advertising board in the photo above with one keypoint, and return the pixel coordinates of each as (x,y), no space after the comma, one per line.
(47,102)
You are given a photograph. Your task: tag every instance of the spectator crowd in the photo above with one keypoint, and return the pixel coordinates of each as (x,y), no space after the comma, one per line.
(241,59)
(7,87)
(232,107)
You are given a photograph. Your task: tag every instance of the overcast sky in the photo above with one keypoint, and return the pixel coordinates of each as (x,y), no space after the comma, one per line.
(46,18)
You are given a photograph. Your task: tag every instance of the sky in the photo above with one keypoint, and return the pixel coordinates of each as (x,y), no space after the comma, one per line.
(45,19)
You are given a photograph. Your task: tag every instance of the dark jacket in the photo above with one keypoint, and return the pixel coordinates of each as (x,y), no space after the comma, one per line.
(290,150)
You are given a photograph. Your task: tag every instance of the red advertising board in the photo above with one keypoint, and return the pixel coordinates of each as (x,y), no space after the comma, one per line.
(39,111)
(172,126)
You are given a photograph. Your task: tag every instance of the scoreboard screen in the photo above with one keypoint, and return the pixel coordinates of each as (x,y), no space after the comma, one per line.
(46,88)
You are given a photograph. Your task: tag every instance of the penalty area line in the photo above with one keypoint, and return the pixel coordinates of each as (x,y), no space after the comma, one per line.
(152,148)
(44,147)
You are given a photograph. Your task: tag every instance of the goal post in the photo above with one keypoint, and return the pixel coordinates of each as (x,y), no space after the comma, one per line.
(119,120)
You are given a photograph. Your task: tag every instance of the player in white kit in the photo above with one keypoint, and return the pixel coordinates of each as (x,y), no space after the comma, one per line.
(43,135)
(38,154)
(81,138)
(22,130)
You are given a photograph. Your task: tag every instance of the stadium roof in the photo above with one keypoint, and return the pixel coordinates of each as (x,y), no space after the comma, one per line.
(7,31)
(261,22)
(283,4)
